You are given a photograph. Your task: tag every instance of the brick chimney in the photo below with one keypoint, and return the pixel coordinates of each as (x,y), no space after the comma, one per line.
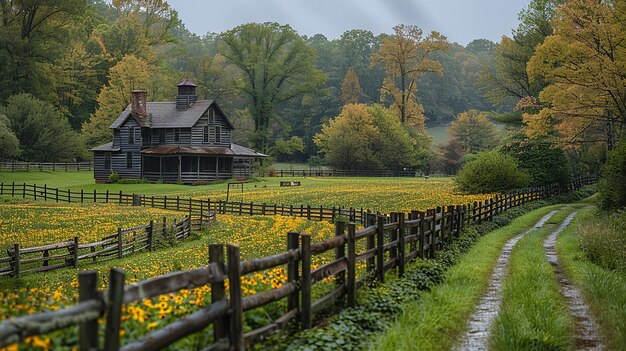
(138,102)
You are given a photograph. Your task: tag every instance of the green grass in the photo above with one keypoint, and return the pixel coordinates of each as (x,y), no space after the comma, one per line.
(383,194)
(533,315)
(435,321)
(603,289)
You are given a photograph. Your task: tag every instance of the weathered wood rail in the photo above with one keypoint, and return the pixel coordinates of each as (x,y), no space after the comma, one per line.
(21,166)
(125,242)
(195,206)
(387,242)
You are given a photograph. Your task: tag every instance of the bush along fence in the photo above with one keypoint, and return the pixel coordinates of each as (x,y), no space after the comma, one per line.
(25,260)
(20,166)
(386,242)
(195,206)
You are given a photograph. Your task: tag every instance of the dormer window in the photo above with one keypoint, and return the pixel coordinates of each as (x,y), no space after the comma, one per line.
(205,137)
(131,135)
(218,134)
(211,116)
(176,134)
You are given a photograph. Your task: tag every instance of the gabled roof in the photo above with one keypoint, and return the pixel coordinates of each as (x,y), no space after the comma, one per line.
(106,147)
(165,115)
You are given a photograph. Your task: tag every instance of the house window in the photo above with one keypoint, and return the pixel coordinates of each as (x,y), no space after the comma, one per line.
(205,137)
(107,160)
(176,134)
(218,134)
(131,135)
(129,160)
(211,116)
(162,136)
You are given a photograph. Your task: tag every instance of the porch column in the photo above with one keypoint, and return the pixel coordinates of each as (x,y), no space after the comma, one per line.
(180,164)
(161,167)
(217,167)
(198,169)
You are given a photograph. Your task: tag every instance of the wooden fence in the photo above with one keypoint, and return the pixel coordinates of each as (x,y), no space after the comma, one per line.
(25,260)
(196,206)
(20,166)
(386,242)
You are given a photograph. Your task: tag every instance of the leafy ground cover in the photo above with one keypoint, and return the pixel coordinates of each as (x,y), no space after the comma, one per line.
(382,194)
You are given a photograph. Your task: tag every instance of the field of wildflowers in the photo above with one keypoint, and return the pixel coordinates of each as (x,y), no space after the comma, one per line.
(37,223)
(34,223)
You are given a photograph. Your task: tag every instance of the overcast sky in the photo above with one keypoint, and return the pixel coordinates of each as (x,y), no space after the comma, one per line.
(460,20)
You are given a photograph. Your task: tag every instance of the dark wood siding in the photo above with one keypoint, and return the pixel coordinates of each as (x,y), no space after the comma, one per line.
(100,173)
(118,159)
(197,132)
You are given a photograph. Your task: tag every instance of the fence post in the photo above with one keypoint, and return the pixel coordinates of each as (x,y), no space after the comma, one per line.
(340,252)
(88,290)
(432,244)
(218,290)
(422,235)
(393,236)
(380,249)
(34,191)
(401,244)
(351,280)
(114,314)
(119,242)
(151,235)
(371,242)
(491,209)
(305,281)
(75,248)
(24,190)
(292,270)
(236,305)
(16,260)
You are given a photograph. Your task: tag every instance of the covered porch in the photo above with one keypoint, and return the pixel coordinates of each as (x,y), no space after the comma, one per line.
(186,168)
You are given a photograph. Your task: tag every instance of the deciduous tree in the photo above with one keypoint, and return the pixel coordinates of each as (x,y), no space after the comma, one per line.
(277,65)
(407,56)
(474,131)
(129,74)
(351,92)
(9,145)
(584,61)
(44,133)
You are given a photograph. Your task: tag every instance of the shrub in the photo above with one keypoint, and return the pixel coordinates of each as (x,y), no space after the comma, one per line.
(546,163)
(114,177)
(490,172)
(612,186)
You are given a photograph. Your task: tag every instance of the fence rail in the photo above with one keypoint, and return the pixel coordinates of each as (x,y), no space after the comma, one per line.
(346,173)
(19,166)
(25,260)
(387,242)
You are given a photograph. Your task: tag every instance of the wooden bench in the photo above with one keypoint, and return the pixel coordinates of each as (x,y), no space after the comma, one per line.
(289,183)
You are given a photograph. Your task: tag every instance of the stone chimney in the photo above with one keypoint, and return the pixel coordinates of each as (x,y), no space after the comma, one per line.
(186,95)
(138,102)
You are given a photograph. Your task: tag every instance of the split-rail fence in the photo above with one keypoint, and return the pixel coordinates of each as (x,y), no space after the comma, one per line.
(386,242)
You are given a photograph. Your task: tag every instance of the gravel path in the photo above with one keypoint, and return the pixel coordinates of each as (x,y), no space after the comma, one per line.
(587,335)
(477,335)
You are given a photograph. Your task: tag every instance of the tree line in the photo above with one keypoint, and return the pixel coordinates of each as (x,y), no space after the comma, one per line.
(82,58)
(556,83)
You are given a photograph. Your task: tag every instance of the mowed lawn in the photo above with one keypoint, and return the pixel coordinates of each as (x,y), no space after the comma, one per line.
(381,194)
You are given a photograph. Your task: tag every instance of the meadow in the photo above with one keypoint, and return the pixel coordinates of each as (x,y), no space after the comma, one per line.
(381,194)
(37,222)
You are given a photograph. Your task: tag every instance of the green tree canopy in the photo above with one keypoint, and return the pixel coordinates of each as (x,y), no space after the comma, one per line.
(474,131)
(44,133)
(363,137)
(491,171)
(9,145)
(277,66)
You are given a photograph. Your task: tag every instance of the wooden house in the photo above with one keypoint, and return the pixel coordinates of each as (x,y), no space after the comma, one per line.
(186,140)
